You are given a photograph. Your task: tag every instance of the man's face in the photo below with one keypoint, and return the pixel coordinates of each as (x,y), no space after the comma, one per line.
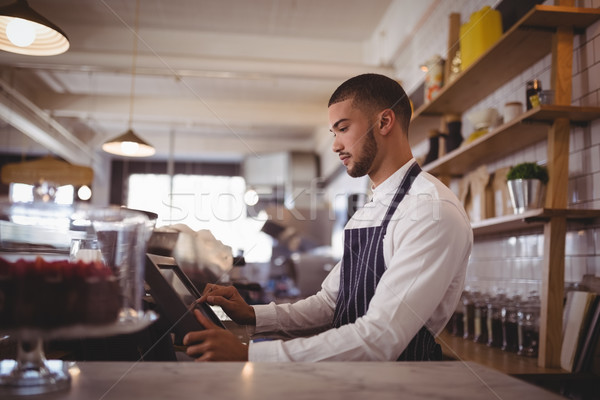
(354,139)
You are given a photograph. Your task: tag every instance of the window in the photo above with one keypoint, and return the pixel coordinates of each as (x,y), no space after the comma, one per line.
(23,193)
(208,202)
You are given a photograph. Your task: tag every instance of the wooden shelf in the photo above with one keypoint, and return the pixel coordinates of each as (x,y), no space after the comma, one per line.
(529,128)
(509,363)
(529,40)
(529,219)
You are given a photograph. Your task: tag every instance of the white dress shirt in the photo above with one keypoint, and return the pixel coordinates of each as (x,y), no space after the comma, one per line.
(426,250)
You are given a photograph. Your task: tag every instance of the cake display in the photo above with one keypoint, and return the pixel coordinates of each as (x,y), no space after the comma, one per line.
(50,294)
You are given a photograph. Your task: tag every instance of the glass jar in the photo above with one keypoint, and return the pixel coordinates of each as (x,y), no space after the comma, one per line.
(529,327)
(469,315)
(480,325)
(456,325)
(510,326)
(494,321)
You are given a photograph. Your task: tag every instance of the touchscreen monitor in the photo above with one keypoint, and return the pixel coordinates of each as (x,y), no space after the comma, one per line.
(174,294)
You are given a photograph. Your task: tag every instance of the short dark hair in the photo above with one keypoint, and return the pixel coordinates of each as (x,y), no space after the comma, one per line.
(373,93)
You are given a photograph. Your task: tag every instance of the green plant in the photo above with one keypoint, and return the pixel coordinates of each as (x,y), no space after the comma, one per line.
(528,170)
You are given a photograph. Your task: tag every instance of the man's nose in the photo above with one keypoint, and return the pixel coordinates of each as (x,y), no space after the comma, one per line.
(337,145)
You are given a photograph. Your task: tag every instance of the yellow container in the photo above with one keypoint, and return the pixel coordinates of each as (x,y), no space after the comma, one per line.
(479,34)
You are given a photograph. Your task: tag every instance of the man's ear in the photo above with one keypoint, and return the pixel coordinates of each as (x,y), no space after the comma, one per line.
(387,118)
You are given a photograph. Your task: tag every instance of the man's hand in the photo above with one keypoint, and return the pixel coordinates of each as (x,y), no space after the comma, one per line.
(229,299)
(214,343)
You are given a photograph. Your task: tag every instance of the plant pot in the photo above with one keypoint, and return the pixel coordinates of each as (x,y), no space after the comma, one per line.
(526,194)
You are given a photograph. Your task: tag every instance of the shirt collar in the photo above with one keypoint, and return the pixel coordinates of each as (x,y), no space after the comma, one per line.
(393,181)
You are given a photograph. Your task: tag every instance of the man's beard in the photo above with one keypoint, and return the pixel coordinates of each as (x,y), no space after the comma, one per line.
(364,163)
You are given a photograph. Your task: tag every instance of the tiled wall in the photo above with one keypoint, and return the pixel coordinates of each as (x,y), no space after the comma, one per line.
(513,262)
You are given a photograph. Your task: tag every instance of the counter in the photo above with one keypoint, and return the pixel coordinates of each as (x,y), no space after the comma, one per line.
(292,381)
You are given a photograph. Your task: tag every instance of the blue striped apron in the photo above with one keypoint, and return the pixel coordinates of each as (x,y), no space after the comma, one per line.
(362,267)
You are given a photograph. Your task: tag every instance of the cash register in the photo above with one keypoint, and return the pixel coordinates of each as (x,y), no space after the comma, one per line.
(174,296)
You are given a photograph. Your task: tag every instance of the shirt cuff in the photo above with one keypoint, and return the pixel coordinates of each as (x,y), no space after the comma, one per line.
(264,351)
(266,318)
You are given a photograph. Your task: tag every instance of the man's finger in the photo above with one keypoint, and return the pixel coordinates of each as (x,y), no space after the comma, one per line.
(209,287)
(207,323)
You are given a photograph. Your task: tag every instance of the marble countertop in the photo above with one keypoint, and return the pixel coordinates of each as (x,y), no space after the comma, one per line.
(292,381)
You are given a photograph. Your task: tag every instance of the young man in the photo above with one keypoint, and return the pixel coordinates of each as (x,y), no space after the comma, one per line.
(405,253)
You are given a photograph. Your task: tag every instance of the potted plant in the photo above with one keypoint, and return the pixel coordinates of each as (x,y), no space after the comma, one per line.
(526,186)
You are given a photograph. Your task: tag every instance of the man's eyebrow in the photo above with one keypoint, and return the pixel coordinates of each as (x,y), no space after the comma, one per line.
(334,126)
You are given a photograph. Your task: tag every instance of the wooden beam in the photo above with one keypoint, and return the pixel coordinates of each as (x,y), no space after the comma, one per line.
(562,65)
(555,230)
(553,278)
(558,164)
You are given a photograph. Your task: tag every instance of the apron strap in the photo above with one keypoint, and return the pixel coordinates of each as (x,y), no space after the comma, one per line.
(405,185)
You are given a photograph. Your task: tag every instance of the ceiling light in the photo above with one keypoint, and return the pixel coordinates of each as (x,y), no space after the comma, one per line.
(129,144)
(24,31)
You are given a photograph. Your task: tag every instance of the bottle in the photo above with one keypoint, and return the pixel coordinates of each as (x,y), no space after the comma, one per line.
(529,326)
(469,315)
(534,88)
(458,319)
(481,327)
(494,320)
(510,325)
(434,147)
(454,137)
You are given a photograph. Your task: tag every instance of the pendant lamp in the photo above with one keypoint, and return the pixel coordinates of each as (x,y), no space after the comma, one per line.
(24,31)
(129,144)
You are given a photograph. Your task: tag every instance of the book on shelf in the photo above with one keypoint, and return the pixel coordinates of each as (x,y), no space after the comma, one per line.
(589,360)
(590,348)
(579,308)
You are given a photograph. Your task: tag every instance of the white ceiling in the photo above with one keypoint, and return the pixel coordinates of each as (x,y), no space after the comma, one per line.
(223,78)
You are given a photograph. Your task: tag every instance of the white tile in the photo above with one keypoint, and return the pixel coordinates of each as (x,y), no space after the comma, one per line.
(576,139)
(585,187)
(572,193)
(594,155)
(576,164)
(586,161)
(579,268)
(596,186)
(595,132)
(589,100)
(541,152)
(578,85)
(577,40)
(594,77)
(573,245)
(568,269)
(593,265)
(532,246)
(587,56)
(593,30)
(576,67)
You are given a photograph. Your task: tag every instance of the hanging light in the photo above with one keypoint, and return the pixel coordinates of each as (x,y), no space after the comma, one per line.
(129,144)
(24,31)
